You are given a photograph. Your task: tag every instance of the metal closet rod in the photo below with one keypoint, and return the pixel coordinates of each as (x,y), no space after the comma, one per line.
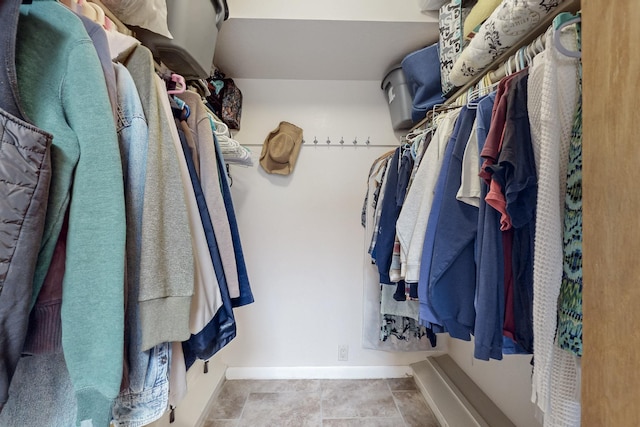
(566,6)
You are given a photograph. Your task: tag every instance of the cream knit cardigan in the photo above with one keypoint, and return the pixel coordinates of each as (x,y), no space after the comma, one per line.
(552,102)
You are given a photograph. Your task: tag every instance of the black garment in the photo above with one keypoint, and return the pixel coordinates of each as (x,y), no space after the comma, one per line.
(383,251)
(25,172)
(404,175)
(516,173)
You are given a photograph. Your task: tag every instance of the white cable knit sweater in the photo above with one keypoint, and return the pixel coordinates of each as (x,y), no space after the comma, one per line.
(552,102)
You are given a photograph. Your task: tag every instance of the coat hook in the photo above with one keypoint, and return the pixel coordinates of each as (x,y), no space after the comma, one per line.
(367,141)
(355,140)
(341,140)
(328,140)
(315,140)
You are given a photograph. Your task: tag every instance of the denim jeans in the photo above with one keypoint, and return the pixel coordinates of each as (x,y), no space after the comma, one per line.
(136,409)
(24,189)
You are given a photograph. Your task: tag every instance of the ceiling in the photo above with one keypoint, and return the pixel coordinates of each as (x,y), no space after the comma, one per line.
(303,49)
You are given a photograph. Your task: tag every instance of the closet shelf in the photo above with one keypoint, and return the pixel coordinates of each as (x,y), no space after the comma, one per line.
(303,49)
(568,6)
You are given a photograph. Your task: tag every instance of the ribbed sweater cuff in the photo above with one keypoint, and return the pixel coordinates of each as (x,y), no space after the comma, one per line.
(94,408)
(45,329)
(412,273)
(164,320)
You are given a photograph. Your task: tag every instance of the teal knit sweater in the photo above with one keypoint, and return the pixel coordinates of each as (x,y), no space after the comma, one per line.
(63,92)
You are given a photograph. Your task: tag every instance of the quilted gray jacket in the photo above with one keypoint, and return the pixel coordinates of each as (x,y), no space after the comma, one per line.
(25,172)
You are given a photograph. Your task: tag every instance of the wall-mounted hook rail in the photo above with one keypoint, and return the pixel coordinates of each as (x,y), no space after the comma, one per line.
(340,141)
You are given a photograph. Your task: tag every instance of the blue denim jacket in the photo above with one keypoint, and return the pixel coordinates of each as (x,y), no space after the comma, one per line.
(146,393)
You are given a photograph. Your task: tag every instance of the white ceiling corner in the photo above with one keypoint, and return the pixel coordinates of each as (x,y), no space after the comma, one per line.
(303,49)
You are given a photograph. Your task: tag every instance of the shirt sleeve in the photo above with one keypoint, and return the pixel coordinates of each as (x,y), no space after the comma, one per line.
(93,301)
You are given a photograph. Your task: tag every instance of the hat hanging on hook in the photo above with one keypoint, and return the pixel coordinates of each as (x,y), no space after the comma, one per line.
(281,148)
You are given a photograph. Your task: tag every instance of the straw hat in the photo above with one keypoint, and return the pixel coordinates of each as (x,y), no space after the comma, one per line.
(281,148)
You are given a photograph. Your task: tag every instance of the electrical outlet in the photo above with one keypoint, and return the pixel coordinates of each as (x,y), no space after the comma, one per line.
(343,352)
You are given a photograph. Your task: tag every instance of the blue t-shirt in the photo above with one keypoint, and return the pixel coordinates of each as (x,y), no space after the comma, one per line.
(489,260)
(453,272)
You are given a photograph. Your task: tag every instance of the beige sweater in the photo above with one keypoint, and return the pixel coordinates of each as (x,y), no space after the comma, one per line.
(200,125)
(166,264)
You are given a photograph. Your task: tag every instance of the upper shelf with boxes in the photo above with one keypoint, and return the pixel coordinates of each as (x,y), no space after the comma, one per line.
(474,38)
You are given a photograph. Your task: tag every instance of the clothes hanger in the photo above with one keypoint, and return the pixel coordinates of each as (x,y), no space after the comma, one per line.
(507,67)
(100,16)
(539,44)
(528,53)
(181,85)
(523,61)
(561,21)
(475,94)
(516,63)
(186,111)
(415,134)
(487,87)
(219,127)
(88,11)
(413,142)
(112,20)
(416,147)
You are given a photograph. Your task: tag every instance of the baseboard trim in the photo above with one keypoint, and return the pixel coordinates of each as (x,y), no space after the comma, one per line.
(315,372)
(453,397)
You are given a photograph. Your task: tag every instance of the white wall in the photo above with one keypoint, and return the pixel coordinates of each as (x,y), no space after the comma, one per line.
(301,234)
(365,10)
(507,382)
(303,240)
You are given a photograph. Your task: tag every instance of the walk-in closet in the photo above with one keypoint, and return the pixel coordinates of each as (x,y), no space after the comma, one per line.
(227,213)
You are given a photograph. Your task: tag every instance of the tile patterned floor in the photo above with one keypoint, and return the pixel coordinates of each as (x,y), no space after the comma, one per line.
(320,403)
